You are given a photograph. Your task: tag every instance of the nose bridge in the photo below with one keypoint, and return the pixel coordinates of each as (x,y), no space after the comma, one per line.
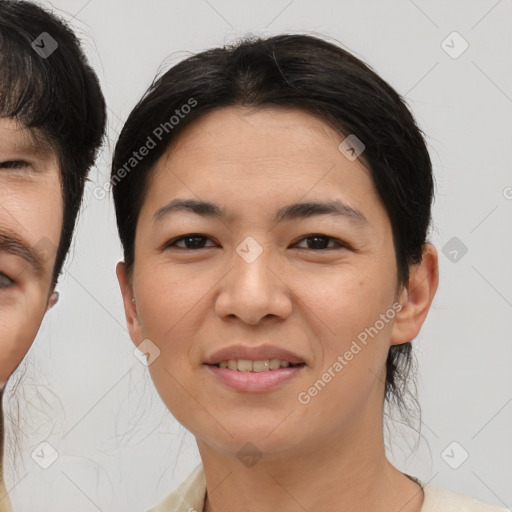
(251,267)
(252,290)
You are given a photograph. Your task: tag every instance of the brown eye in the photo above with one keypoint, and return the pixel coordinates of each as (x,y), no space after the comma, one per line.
(321,242)
(192,241)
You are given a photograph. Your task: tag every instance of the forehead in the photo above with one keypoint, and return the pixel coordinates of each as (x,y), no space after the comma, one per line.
(236,132)
(268,156)
(17,138)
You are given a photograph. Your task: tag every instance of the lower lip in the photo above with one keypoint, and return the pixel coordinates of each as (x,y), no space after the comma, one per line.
(254,382)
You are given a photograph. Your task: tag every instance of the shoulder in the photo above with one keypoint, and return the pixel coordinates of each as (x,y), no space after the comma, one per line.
(438,499)
(188,497)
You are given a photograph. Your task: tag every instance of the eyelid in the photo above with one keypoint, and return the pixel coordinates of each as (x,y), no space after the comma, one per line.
(339,244)
(174,241)
(14,164)
(9,285)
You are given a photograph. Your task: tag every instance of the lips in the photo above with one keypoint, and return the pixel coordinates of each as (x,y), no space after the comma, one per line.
(254,369)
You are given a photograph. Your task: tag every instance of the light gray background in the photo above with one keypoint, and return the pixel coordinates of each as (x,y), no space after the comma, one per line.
(84,392)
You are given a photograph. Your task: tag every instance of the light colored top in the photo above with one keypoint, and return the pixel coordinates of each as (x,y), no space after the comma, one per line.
(5,504)
(190,496)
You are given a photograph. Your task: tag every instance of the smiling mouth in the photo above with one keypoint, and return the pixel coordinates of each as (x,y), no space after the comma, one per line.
(260,366)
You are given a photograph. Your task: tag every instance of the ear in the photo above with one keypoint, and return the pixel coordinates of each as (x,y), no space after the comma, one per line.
(54,298)
(416,297)
(130,308)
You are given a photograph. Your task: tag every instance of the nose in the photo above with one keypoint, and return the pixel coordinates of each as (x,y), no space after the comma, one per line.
(253,290)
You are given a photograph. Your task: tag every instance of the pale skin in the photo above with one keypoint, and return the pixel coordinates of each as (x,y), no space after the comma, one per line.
(31,210)
(326,455)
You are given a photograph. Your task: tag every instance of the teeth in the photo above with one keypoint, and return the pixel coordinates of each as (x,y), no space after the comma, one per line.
(275,364)
(260,366)
(246,365)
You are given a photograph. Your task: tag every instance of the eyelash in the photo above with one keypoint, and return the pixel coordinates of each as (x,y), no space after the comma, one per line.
(13,164)
(172,243)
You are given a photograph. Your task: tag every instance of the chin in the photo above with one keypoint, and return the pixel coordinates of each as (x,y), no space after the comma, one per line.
(262,440)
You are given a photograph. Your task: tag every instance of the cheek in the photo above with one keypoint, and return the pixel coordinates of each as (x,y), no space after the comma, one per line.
(355,308)
(166,299)
(167,303)
(347,301)
(18,328)
(171,314)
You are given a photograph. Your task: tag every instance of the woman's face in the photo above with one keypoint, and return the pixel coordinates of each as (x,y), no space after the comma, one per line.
(263,280)
(30,227)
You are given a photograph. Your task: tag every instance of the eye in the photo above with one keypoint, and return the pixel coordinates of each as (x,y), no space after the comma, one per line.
(13,164)
(315,242)
(5,282)
(192,241)
(321,242)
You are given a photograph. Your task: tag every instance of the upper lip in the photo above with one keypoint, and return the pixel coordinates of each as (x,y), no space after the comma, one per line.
(252,353)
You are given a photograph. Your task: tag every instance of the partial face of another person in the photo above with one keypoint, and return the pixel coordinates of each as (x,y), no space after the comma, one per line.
(31,209)
(257,281)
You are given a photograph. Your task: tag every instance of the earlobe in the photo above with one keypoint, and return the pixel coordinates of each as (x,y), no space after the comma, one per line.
(417,297)
(54,298)
(130,308)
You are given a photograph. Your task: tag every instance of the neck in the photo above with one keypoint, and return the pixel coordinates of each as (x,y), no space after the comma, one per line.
(346,472)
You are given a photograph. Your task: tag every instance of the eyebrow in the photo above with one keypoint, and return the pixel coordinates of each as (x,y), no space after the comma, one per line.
(288,212)
(27,145)
(12,244)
